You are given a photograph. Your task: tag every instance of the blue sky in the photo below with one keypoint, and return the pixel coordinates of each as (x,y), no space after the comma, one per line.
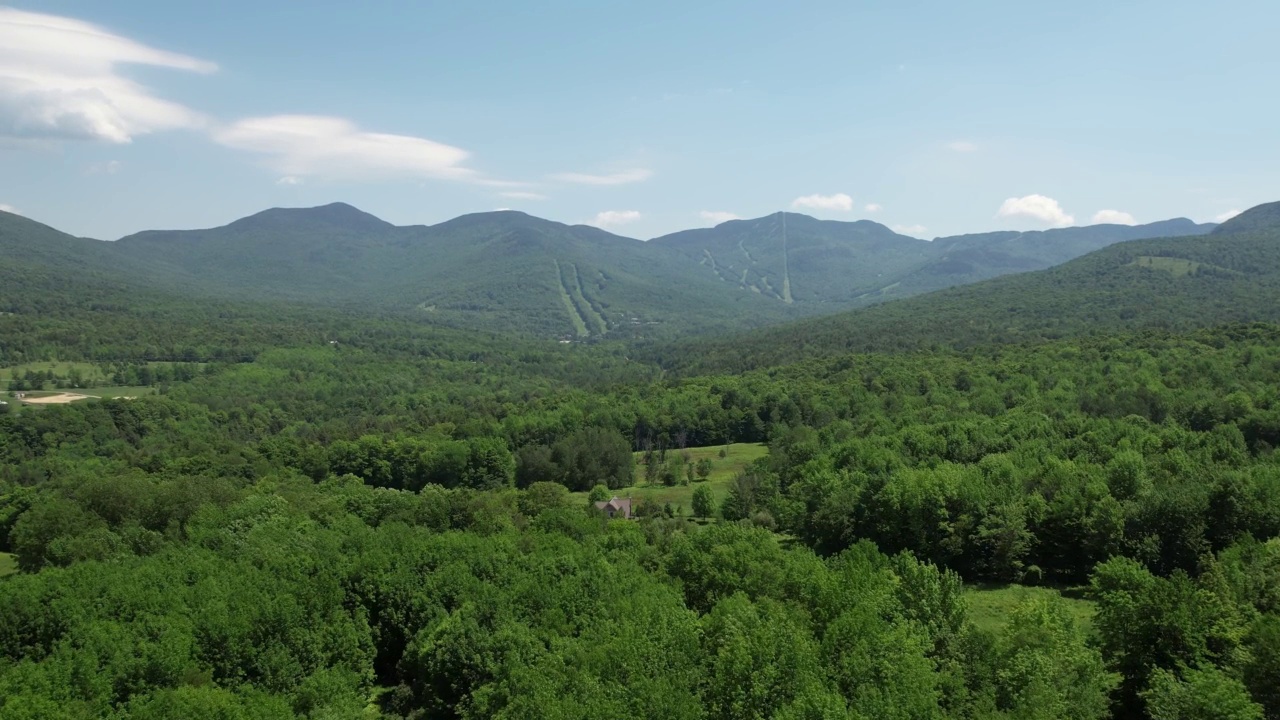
(935,118)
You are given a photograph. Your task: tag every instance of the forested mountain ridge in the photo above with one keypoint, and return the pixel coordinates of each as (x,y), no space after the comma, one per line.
(1263,217)
(510,272)
(796,258)
(1160,283)
(833,264)
(965,259)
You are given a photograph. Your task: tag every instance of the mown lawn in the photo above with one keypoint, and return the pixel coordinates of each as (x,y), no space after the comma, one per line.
(723,469)
(8,564)
(89,370)
(990,605)
(120,391)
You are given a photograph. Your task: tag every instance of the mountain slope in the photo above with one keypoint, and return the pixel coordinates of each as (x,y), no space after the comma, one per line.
(508,269)
(1161,283)
(511,272)
(966,259)
(849,264)
(1258,218)
(504,271)
(796,258)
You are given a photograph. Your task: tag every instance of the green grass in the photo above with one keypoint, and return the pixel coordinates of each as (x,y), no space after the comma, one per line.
(113,391)
(990,605)
(8,564)
(121,391)
(737,457)
(579,325)
(89,370)
(1176,267)
(94,379)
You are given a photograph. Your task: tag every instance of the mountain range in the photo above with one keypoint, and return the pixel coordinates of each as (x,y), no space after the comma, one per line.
(1231,275)
(511,272)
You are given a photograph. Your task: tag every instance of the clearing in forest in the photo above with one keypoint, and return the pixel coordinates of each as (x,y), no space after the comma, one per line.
(990,605)
(579,324)
(723,470)
(52,398)
(8,564)
(1176,267)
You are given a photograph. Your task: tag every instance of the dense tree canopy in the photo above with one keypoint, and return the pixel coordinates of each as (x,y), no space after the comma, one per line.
(335,519)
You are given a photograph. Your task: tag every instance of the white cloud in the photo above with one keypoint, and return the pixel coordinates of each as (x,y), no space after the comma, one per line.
(1039,207)
(110,167)
(1113,217)
(613,218)
(4,207)
(618,178)
(962,146)
(873,207)
(305,146)
(59,79)
(914,230)
(523,195)
(717,216)
(839,201)
(1223,217)
(288,180)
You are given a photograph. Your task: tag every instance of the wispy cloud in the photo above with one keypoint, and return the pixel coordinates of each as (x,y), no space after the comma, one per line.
(1113,217)
(716,217)
(873,207)
(5,207)
(60,79)
(913,230)
(839,201)
(1225,216)
(289,181)
(962,146)
(1037,207)
(303,146)
(523,195)
(614,218)
(618,178)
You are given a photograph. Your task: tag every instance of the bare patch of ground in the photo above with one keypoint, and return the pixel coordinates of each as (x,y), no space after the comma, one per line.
(57,399)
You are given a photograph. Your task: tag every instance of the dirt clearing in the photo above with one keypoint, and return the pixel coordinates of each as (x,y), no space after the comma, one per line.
(59,399)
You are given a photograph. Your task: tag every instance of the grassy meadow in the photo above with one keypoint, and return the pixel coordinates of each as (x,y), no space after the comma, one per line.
(723,469)
(990,605)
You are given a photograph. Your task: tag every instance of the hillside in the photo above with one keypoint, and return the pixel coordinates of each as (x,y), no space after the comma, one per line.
(1258,218)
(511,272)
(795,258)
(502,271)
(964,259)
(1162,283)
(849,264)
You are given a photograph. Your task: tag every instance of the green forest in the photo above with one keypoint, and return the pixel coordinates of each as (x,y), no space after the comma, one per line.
(289,510)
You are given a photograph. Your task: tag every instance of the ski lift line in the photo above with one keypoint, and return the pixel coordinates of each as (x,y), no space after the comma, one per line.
(786,268)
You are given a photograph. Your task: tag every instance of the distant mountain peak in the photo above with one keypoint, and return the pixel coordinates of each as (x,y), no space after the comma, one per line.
(337,215)
(1260,217)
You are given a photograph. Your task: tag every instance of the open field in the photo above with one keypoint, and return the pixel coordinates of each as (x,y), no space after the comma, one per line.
(53,398)
(36,399)
(8,564)
(88,370)
(91,373)
(990,605)
(122,391)
(723,470)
